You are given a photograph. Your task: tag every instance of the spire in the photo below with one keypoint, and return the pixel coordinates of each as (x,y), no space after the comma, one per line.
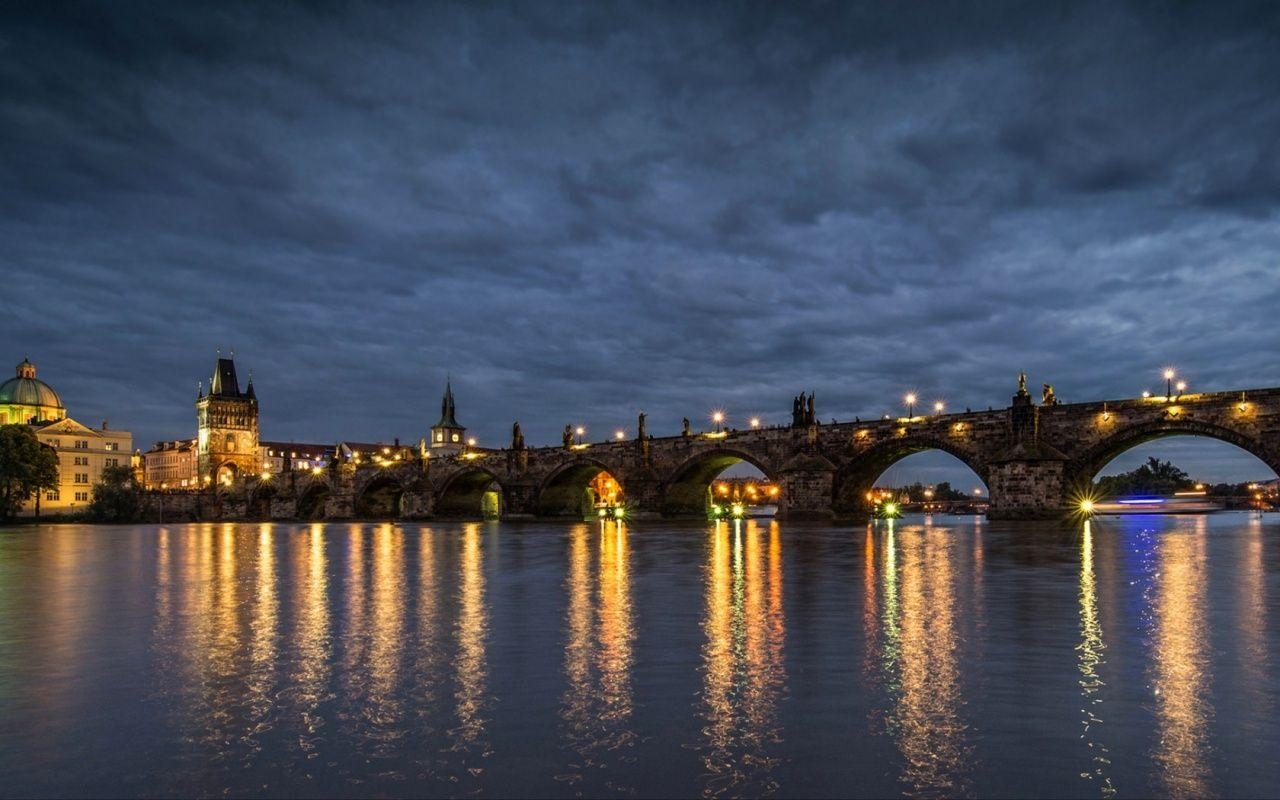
(248,391)
(199,389)
(447,409)
(223,382)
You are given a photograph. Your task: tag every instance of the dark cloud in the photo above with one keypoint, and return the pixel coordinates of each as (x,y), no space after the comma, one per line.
(584,210)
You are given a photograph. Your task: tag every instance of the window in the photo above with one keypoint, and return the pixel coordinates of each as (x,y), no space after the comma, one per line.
(82,477)
(112,445)
(82,461)
(54,496)
(55,442)
(82,497)
(111,462)
(81,444)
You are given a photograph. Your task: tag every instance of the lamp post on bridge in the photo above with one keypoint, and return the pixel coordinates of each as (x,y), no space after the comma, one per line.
(910,400)
(1168,383)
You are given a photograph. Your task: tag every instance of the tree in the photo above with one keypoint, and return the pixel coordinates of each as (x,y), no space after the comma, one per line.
(1155,477)
(26,467)
(115,497)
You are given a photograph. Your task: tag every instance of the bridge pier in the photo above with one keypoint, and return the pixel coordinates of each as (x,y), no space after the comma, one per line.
(807,484)
(1033,486)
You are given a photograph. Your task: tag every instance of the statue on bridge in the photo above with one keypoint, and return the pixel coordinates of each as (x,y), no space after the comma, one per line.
(517,437)
(1048,398)
(568,437)
(1022,383)
(642,432)
(685,431)
(803,414)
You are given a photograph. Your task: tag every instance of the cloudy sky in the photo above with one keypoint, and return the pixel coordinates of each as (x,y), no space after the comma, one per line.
(582,211)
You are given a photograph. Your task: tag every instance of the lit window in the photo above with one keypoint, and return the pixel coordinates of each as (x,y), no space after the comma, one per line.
(456,438)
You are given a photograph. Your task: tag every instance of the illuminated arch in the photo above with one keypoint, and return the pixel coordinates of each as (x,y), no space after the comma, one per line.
(561,493)
(857,475)
(685,490)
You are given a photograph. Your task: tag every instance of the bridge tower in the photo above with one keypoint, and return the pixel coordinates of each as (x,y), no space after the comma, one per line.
(227,427)
(447,435)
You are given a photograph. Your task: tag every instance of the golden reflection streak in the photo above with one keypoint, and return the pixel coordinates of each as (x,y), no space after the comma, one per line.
(870,609)
(471,631)
(384,708)
(744,675)
(575,710)
(313,645)
(427,664)
(616,632)
(926,717)
(1090,655)
(1180,669)
(263,651)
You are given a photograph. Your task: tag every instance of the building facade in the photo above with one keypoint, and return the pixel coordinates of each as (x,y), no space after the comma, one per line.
(171,465)
(82,452)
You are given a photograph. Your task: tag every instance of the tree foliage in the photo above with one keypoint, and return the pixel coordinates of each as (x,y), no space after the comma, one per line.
(26,467)
(116,497)
(1155,477)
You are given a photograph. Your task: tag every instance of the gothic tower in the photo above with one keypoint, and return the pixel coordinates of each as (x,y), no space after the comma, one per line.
(227,427)
(447,434)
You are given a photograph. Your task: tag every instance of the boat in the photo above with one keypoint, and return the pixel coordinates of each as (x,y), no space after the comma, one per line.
(1180,503)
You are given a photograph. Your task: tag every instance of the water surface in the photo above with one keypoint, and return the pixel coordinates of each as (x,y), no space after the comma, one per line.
(944,657)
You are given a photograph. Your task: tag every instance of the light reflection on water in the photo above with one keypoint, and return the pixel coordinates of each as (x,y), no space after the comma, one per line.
(744,675)
(1180,670)
(1132,658)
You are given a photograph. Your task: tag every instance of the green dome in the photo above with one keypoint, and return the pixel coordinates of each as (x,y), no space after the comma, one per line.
(27,390)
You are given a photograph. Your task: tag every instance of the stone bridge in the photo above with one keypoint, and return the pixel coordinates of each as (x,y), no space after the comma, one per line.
(1034,458)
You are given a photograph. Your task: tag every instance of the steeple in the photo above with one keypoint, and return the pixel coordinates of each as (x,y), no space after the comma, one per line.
(447,433)
(248,392)
(447,409)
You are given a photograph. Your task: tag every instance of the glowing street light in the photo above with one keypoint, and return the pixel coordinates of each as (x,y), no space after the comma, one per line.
(755,422)
(471,442)
(717,417)
(938,407)
(1181,387)
(581,431)
(619,434)
(1168,383)
(910,400)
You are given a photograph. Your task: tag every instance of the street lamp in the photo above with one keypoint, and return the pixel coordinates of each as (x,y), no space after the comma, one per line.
(755,422)
(938,407)
(910,400)
(619,434)
(1168,383)
(1181,387)
(581,431)
(717,417)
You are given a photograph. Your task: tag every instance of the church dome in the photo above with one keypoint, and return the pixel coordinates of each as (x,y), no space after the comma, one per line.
(27,390)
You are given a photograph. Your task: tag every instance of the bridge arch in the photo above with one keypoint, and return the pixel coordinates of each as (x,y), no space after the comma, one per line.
(382,497)
(463,494)
(563,492)
(1082,469)
(312,499)
(685,489)
(858,475)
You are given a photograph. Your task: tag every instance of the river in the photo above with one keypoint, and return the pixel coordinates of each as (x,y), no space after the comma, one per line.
(1124,657)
